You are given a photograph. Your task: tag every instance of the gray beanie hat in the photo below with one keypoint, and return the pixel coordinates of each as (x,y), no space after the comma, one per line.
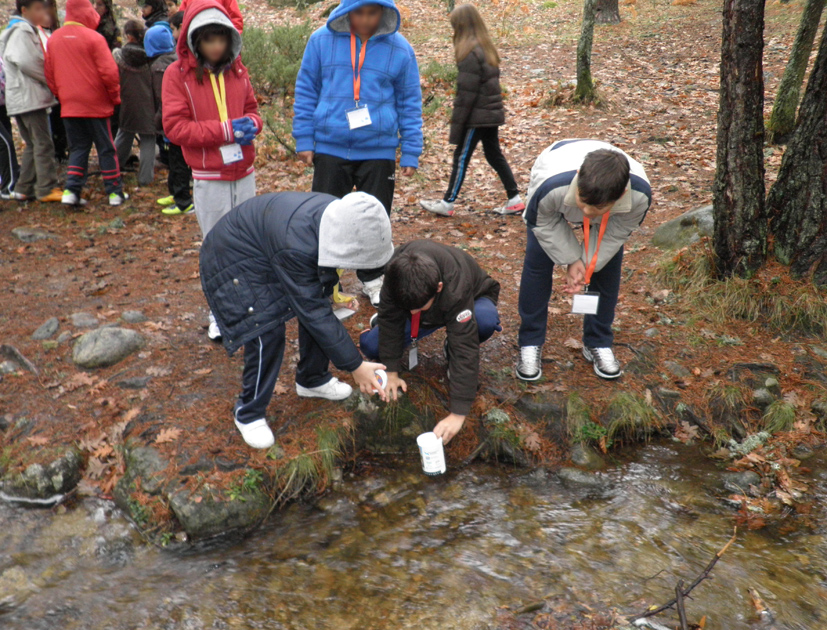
(355,233)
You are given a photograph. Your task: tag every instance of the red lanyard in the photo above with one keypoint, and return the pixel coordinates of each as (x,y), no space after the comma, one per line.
(415,325)
(357,73)
(603,223)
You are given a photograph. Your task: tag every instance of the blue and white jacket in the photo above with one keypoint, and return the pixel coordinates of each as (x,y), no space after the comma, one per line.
(552,208)
(390,88)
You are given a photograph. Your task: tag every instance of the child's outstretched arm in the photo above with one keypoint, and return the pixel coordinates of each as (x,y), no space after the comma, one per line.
(408,93)
(308,88)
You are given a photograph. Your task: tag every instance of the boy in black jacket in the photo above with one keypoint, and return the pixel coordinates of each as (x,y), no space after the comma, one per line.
(274,257)
(430,286)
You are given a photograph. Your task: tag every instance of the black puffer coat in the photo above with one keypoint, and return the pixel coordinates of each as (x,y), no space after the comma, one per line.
(259,268)
(137,99)
(479,99)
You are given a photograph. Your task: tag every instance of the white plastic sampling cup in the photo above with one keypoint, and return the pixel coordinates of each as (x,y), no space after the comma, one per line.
(382,377)
(431,453)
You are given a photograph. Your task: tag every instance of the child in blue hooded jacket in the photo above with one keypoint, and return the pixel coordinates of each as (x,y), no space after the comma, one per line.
(358,100)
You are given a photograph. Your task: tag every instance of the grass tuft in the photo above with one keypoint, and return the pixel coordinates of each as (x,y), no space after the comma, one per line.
(631,416)
(779,416)
(578,419)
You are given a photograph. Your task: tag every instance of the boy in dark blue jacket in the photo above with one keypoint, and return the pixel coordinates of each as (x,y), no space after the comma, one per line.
(357,100)
(272,258)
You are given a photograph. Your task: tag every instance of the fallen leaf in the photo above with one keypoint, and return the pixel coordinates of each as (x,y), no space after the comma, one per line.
(280,390)
(574,344)
(203,371)
(155,370)
(38,440)
(168,435)
(95,468)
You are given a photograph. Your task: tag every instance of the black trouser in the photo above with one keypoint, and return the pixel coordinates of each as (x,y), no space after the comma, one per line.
(82,133)
(163,152)
(490,138)
(178,180)
(535,292)
(59,138)
(337,176)
(9,168)
(262,361)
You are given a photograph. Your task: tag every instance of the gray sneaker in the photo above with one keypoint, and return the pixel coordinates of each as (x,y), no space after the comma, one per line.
(604,362)
(530,366)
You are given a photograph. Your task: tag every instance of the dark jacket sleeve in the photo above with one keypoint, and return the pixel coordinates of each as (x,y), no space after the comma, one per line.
(392,320)
(469,81)
(157,88)
(298,275)
(464,350)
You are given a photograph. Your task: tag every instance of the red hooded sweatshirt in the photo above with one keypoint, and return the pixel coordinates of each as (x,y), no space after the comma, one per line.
(231,6)
(80,69)
(190,108)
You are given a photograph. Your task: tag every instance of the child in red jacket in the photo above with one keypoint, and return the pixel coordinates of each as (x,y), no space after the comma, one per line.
(210,110)
(83,75)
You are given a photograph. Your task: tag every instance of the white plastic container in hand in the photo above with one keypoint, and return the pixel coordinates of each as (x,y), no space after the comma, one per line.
(382,377)
(432,453)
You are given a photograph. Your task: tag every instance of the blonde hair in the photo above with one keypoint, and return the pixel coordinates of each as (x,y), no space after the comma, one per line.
(469,32)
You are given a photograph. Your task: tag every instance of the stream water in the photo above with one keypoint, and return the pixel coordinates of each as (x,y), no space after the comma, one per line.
(395,550)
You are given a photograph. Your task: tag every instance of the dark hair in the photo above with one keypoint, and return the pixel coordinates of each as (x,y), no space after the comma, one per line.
(25,4)
(177,20)
(603,177)
(135,30)
(412,279)
(208,31)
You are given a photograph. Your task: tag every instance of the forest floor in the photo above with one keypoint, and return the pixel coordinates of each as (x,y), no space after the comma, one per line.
(657,73)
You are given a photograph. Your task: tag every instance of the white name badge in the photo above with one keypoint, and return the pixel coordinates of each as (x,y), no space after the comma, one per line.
(585,303)
(413,356)
(232,153)
(358,117)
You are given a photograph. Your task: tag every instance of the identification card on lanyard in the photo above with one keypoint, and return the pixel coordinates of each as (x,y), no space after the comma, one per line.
(358,116)
(230,153)
(586,303)
(413,353)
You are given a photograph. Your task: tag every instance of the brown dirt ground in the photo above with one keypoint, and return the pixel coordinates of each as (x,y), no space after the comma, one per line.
(658,76)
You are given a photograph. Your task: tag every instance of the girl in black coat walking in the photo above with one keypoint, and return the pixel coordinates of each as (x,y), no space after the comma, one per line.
(478,111)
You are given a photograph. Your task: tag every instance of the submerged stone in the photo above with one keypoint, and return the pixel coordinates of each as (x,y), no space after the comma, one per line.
(585,456)
(204,516)
(577,477)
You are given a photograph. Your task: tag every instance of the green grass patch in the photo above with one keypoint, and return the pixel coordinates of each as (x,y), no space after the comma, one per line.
(779,416)
(631,417)
(438,73)
(273,56)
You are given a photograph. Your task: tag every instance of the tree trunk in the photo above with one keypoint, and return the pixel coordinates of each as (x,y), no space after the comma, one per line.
(585,91)
(607,12)
(740,236)
(451,4)
(798,200)
(782,121)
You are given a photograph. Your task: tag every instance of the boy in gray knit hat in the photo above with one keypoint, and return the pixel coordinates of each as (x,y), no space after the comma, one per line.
(274,257)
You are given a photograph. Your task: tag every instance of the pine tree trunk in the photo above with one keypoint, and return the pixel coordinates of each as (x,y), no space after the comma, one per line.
(607,12)
(585,91)
(740,236)
(798,200)
(782,121)
(451,4)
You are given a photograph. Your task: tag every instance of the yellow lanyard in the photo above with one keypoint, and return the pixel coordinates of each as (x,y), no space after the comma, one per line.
(220,96)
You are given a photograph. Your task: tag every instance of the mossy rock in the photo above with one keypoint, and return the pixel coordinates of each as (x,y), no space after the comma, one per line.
(145,469)
(55,475)
(203,515)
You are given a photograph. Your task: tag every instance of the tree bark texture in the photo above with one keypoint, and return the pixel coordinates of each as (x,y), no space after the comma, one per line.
(782,120)
(585,85)
(797,202)
(740,236)
(607,12)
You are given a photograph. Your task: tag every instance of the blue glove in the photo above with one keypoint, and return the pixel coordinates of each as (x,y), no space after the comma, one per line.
(244,130)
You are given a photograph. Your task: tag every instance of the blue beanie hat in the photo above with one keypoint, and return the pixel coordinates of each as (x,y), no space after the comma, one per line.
(158,40)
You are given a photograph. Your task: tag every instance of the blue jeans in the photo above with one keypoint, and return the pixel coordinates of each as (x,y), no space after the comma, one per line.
(485,311)
(535,292)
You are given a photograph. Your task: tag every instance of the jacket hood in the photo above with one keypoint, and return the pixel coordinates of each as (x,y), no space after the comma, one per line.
(134,55)
(339,20)
(158,41)
(83,12)
(198,14)
(355,233)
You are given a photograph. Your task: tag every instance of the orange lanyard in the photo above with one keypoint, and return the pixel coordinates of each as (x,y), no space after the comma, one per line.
(357,73)
(586,225)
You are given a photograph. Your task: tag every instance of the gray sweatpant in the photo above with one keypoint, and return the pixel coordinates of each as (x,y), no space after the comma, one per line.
(38,168)
(213,199)
(123,144)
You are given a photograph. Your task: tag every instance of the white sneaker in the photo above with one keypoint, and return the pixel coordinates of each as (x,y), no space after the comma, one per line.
(514,205)
(372,289)
(256,433)
(213,332)
(71,199)
(334,389)
(530,367)
(441,207)
(604,362)
(117,199)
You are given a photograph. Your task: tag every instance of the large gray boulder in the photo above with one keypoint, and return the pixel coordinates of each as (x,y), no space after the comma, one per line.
(205,516)
(686,229)
(44,481)
(106,346)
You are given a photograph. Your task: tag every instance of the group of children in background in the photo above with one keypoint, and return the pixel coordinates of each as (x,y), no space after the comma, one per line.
(178,77)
